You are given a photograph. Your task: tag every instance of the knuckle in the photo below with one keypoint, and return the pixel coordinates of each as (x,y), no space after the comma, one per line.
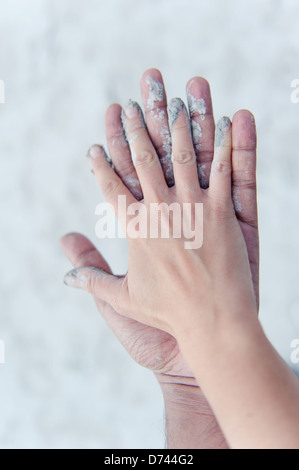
(222,208)
(223,166)
(246,149)
(163,148)
(116,304)
(144,158)
(245,180)
(110,186)
(92,285)
(184,157)
(125,169)
(182,126)
(134,127)
(118,138)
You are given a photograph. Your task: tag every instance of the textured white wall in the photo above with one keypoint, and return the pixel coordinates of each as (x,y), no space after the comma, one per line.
(67,382)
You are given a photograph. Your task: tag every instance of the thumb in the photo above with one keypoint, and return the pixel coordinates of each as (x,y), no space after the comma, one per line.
(107,287)
(81,252)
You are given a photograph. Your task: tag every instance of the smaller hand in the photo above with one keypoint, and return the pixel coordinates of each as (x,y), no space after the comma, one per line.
(150,347)
(196,281)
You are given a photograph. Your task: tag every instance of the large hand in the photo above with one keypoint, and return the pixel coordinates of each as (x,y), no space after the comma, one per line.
(185,404)
(151,347)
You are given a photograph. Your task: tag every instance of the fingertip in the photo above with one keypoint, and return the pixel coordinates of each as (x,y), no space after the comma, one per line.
(152,90)
(244,129)
(63,239)
(78,278)
(223,129)
(199,94)
(112,115)
(200,100)
(96,281)
(67,238)
(74,245)
(175,107)
(243,115)
(97,155)
(151,72)
(199,81)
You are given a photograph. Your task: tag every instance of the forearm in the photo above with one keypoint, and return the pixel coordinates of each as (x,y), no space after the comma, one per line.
(253,393)
(190,422)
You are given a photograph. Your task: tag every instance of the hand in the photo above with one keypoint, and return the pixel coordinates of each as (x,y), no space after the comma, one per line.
(150,347)
(198,281)
(153,348)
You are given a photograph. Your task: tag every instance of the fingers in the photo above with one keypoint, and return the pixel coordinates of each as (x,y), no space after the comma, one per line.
(244,167)
(202,125)
(183,156)
(119,151)
(143,153)
(81,252)
(100,284)
(220,177)
(155,106)
(110,183)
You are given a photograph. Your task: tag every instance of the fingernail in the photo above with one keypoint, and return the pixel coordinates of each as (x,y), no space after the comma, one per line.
(70,279)
(223,125)
(132,109)
(174,108)
(155,91)
(95,151)
(75,278)
(196,105)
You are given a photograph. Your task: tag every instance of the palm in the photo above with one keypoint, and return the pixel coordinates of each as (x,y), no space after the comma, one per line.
(149,347)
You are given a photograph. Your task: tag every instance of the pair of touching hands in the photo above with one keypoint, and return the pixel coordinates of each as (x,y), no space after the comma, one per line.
(167,288)
(172,297)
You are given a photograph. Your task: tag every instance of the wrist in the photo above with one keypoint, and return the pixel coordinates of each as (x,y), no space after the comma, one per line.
(190,421)
(204,352)
(181,392)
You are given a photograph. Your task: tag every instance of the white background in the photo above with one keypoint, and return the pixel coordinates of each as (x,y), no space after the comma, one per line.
(67,382)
